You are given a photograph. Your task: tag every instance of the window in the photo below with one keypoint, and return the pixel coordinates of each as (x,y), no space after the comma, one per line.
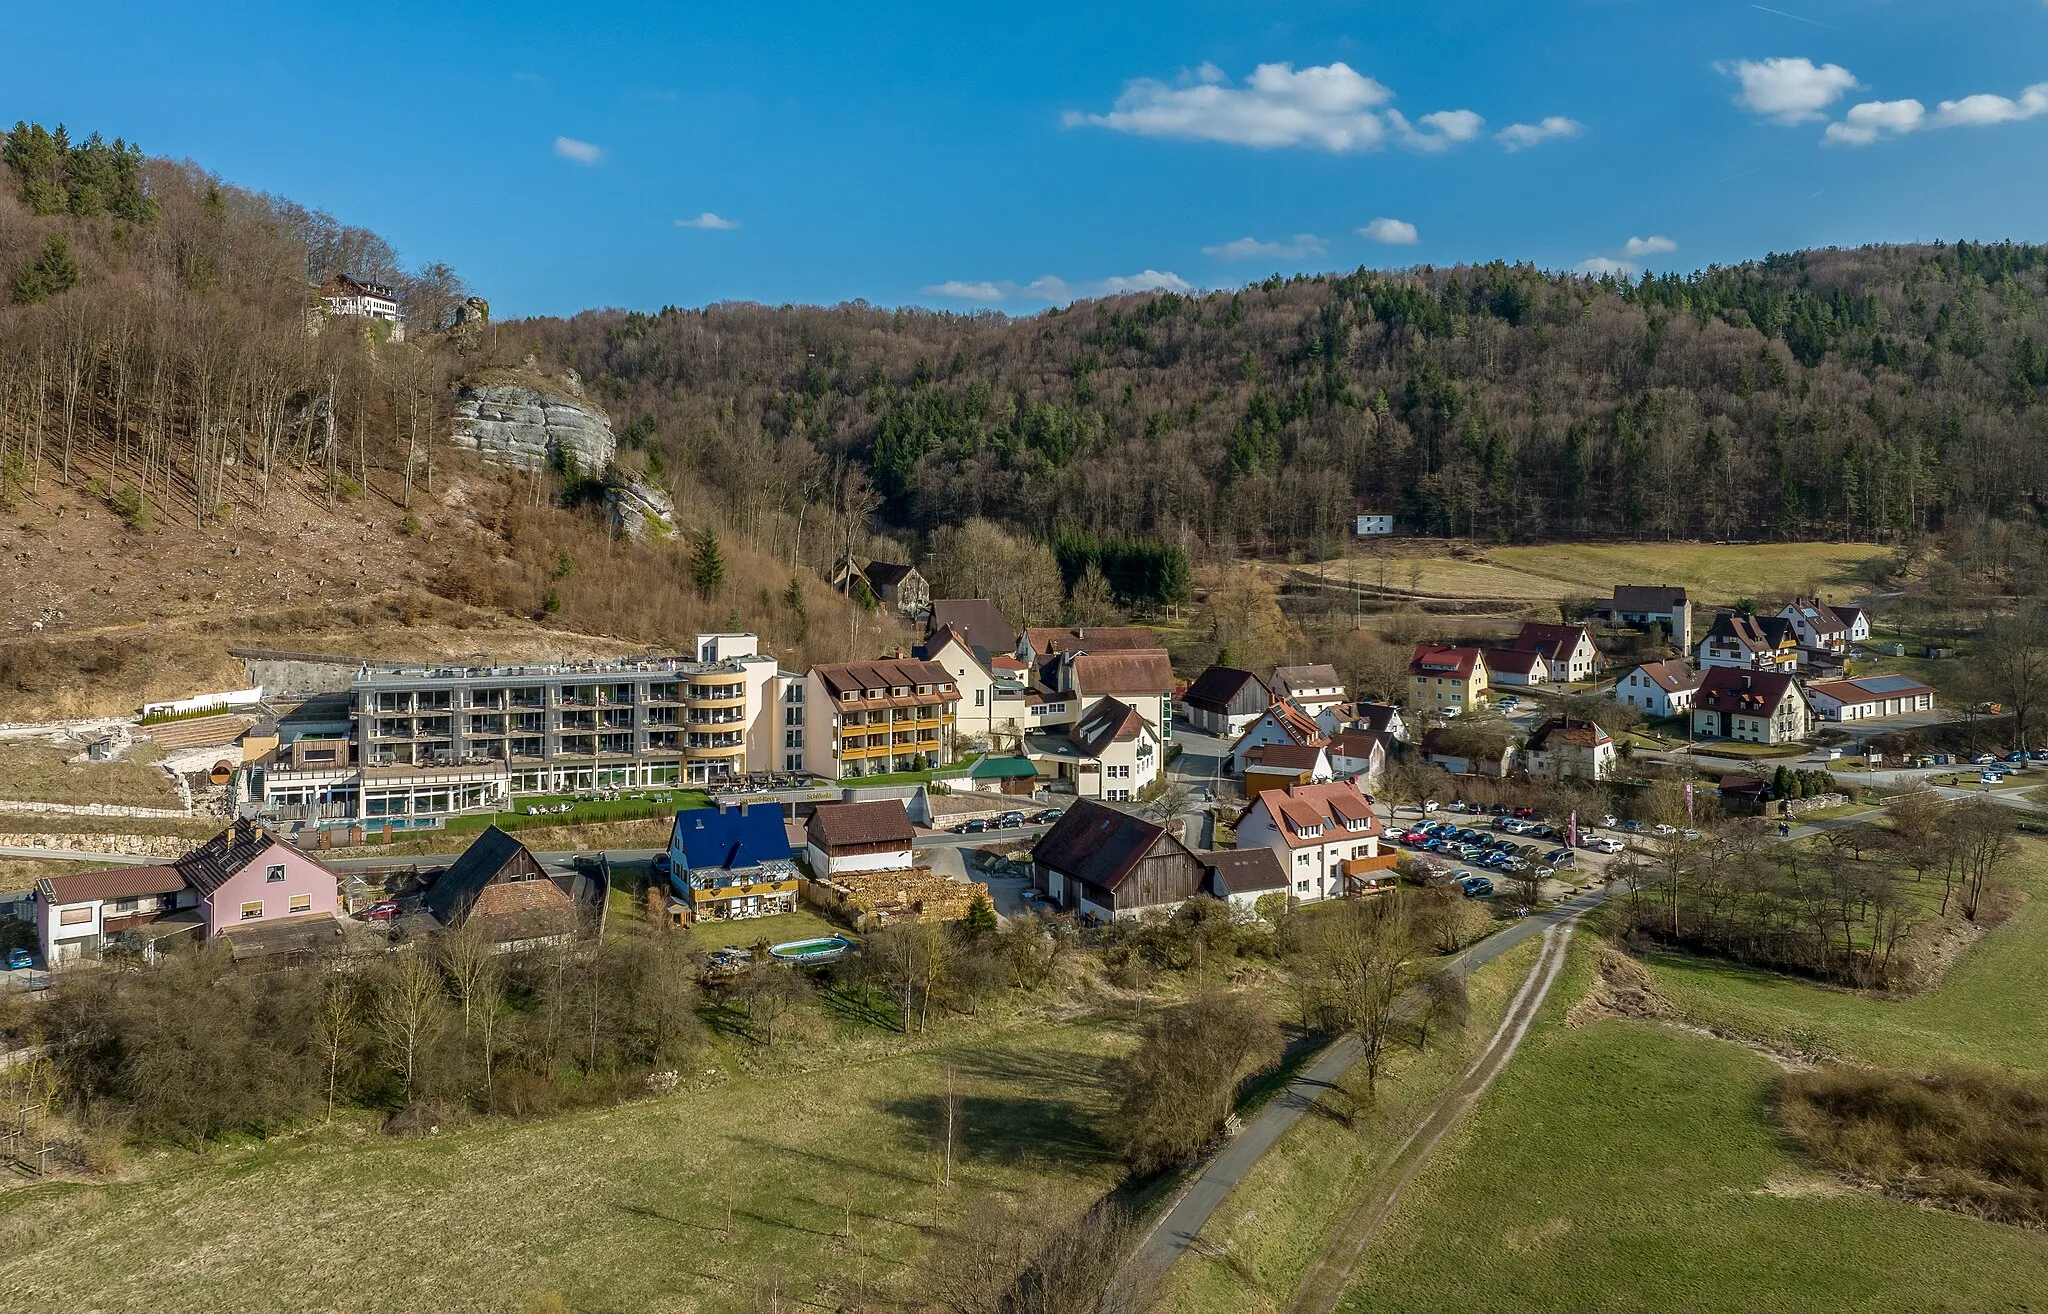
(74,917)
(273,873)
(302,903)
(979,695)
(252,910)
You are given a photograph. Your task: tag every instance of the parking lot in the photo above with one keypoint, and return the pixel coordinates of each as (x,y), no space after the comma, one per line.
(1488,845)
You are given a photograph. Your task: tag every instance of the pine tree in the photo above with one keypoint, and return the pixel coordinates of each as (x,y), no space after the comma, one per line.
(981,917)
(1781,783)
(707,564)
(52,271)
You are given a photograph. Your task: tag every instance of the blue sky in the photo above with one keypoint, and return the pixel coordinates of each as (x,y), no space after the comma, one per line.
(1017,154)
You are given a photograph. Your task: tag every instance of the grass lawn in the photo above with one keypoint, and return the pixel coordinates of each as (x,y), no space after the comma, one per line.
(950,771)
(803,924)
(1626,1166)
(678,1203)
(1991,1007)
(1273,1226)
(579,814)
(1736,749)
(1713,573)
(33,771)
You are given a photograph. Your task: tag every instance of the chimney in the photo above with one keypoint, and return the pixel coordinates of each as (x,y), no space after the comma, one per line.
(743,807)
(1747,681)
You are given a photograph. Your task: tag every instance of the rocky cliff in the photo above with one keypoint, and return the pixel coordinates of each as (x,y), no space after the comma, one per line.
(534,429)
(510,424)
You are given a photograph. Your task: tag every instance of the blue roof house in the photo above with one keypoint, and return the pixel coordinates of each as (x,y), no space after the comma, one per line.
(732,862)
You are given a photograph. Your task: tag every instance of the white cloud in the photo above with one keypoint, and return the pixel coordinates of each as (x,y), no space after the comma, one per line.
(1049,287)
(1788,90)
(580,151)
(1982,111)
(1865,123)
(1521,136)
(1331,107)
(1598,265)
(1392,232)
(1638,247)
(1875,119)
(1438,131)
(709,221)
(1299,247)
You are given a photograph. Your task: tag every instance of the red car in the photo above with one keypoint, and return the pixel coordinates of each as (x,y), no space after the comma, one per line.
(381,911)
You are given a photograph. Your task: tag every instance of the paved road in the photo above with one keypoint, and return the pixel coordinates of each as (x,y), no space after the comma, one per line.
(1177,1230)
(73,855)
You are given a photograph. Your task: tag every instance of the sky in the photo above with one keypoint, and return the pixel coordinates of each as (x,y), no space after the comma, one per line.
(1017,156)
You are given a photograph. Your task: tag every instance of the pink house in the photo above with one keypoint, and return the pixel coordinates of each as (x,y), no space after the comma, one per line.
(241,879)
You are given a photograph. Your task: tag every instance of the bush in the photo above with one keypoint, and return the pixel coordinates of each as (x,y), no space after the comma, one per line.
(1968,1140)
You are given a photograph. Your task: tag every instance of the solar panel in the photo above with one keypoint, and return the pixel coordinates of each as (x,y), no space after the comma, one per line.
(1886,684)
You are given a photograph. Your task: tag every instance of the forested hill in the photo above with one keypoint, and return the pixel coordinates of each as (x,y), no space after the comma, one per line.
(1841,392)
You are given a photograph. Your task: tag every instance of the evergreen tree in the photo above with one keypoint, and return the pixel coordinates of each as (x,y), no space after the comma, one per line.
(52,271)
(707,564)
(1781,783)
(981,917)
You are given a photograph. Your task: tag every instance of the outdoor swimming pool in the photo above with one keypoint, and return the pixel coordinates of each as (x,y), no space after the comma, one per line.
(824,949)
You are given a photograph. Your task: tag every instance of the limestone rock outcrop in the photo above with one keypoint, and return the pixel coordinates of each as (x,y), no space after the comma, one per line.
(511,424)
(637,510)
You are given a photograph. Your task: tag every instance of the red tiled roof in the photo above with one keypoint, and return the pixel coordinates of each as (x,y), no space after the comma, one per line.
(843,677)
(109,883)
(1566,734)
(1049,640)
(1558,641)
(1750,693)
(1521,661)
(881,821)
(1672,676)
(1330,806)
(1434,659)
(1284,757)
(1126,674)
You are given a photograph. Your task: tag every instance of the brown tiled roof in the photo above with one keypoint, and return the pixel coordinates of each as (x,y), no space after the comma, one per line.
(1108,722)
(1098,844)
(1551,640)
(1567,734)
(1125,674)
(842,825)
(1289,680)
(109,883)
(1300,807)
(1245,871)
(841,677)
(1746,692)
(460,888)
(1356,743)
(981,621)
(1763,633)
(1048,640)
(1284,757)
(1641,599)
(1671,676)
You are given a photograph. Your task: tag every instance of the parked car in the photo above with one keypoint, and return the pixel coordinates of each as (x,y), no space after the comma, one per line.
(381,911)
(1690,833)
(1475,887)
(1609,822)
(1662,831)
(1545,873)
(1983,759)
(1602,844)
(659,865)
(1525,813)
(1991,778)
(1429,805)
(1632,826)
(19,958)
(1048,816)
(977,826)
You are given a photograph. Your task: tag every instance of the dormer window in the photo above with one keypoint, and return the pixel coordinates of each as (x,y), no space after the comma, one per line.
(900,691)
(875,694)
(850,696)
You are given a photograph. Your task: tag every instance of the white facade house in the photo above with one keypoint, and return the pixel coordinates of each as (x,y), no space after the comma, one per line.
(1314,689)
(1325,835)
(875,835)
(1561,750)
(1281,724)
(1373,524)
(1111,753)
(1658,688)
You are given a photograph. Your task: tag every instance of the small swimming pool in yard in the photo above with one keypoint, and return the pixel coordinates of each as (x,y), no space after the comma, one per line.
(824,949)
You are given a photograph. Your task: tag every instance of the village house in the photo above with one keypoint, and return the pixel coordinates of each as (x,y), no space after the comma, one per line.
(1041,643)
(873,718)
(499,890)
(1567,650)
(1516,667)
(241,881)
(1658,688)
(1447,681)
(1460,755)
(344,296)
(1242,877)
(874,835)
(1382,719)
(1644,607)
(889,583)
(991,703)
(1372,524)
(1868,697)
(1141,678)
(1282,723)
(1314,689)
(1359,756)
(1224,700)
(1759,707)
(1112,752)
(1757,643)
(1327,836)
(1109,865)
(1276,766)
(732,861)
(1824,628)
(1562,749)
